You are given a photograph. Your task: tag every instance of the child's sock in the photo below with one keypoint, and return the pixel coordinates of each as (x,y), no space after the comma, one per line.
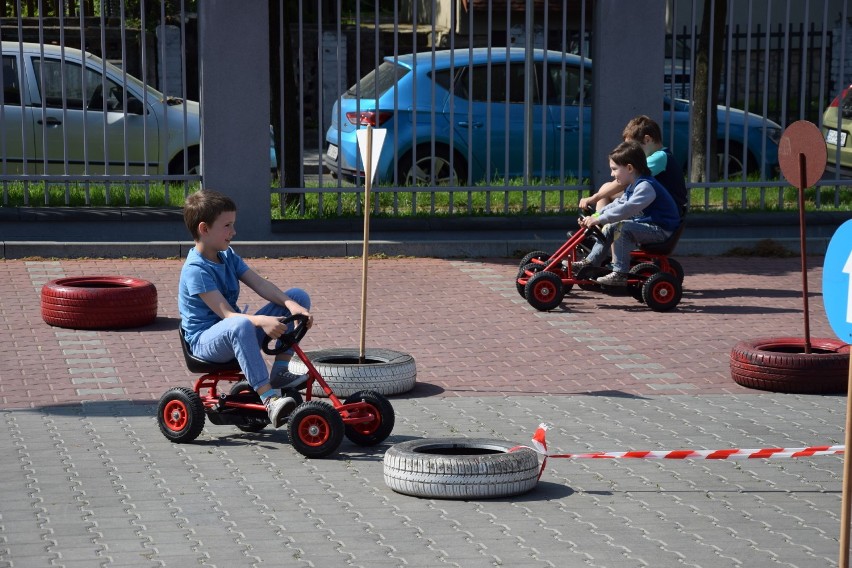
(278,367)
(269,393)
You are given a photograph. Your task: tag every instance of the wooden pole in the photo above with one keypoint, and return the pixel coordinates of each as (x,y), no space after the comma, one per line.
(368,182)
(847,471)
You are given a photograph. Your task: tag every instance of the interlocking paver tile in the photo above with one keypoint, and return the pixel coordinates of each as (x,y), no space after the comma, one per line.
(87,478)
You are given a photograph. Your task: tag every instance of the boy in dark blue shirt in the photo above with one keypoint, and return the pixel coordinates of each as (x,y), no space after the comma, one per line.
(661,162)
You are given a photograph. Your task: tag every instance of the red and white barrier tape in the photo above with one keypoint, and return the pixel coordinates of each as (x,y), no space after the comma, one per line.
(539,444)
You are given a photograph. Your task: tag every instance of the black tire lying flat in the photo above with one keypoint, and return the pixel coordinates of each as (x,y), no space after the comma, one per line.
(779,364)
(460,468)
(99,302)
(384,371)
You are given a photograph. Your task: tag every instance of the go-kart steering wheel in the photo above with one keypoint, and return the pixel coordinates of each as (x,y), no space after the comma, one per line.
(286,340)
(595,231)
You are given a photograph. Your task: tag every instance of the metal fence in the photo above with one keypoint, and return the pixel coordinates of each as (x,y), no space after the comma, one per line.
(455,113)
(467,133)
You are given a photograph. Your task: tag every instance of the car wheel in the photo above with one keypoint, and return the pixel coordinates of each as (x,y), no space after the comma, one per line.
(418,171)
(460,468)
(736,168)
(193,163)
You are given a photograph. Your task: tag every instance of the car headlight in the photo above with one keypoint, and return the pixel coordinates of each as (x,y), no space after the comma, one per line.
(774,134)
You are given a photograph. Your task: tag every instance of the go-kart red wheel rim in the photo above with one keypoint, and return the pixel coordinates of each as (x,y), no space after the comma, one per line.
(368,428)
(314,431)
(175,415)
(664,292)
(544,291)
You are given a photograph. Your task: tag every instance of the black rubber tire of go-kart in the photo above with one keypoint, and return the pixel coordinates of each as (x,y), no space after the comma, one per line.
(460,468)
(676,269)
(780,364)
(644,271)
(662,292)
(377,430)
(316,429)
(99,302)
(180,415)
(384,371)
(532,267)
(544,291)
(534,255)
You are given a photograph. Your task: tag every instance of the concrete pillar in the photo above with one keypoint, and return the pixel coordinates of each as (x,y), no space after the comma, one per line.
(628,50)
(234,85)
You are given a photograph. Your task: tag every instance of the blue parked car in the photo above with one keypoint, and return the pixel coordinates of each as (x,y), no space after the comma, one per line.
(451,117)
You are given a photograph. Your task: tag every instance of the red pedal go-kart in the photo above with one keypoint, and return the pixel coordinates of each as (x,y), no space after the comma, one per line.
(655,279)
(316,428)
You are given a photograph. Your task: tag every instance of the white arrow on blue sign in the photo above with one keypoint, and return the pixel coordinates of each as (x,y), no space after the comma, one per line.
(837,282)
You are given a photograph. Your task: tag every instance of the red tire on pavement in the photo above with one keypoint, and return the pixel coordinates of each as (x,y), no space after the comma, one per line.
(780,364)
(99,302)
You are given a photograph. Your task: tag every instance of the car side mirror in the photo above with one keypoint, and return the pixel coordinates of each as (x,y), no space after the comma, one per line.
(135,106)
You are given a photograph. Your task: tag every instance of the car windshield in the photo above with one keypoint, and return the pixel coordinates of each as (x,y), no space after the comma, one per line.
(377,82)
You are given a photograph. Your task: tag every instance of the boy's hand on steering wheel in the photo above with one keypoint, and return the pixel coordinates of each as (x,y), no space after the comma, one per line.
(308,322)
(272,326)
(590,221)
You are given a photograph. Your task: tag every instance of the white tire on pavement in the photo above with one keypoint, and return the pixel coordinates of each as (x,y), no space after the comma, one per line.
(460,468)
(384,371)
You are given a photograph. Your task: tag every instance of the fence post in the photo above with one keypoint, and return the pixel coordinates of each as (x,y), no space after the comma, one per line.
(234,83)
(627,36)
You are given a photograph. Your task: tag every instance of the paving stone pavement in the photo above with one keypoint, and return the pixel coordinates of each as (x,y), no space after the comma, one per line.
(88,480)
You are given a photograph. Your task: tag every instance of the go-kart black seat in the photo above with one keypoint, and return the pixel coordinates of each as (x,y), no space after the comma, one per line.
(667,246)
(197,365)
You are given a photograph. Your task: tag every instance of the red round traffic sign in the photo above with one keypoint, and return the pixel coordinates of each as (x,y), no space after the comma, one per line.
(802,144)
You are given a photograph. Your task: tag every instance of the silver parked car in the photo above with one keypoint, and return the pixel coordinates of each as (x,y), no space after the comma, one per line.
(67,112)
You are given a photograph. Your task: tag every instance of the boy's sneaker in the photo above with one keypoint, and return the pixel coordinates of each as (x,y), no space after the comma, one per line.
(287,380)
(278,408)
(613,279)
(577,266)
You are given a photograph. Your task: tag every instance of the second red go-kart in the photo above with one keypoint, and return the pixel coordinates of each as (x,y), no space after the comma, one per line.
(316,427)
(655,279)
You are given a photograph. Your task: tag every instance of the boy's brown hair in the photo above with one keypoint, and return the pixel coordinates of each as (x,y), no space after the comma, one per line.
(641,126)
(630,154)
(205,206)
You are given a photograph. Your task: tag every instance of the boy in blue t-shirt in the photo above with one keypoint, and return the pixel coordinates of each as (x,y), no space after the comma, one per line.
(661,162)
(644,213)
(213,326)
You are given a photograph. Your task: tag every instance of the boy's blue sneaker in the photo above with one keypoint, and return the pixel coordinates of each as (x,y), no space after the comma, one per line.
(286,380)
(278,408)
